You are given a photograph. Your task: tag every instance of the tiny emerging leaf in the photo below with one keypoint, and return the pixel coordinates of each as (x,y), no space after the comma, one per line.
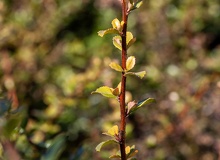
(130,63)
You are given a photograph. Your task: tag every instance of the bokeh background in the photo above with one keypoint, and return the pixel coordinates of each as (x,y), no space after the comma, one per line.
(51,59)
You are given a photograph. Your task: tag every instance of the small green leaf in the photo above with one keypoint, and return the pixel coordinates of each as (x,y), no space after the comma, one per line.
(107,31)
(105,91)
(117,42)
(138,74)
(130,63)
(116,66)
(116,24)
(113,131)
(145,101)
(100,145)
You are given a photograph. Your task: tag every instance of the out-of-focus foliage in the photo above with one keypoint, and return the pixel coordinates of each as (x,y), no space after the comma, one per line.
(51,59)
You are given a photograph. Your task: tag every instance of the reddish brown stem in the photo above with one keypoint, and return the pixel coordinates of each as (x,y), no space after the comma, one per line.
(123,81)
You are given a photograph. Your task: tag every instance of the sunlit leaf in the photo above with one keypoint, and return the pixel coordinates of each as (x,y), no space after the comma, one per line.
(113,131)
(130,63)
(105,91)
(116,66)
(122,24)
(119,87)
(138,74)
(102,144)
(116,24)
(127,150)
(117,42)
(129,37)
(107,31)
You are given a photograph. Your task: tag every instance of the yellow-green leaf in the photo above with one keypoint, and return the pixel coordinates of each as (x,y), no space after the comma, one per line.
(138,74)
(113,131)
(130,63)
(116,24)
(117,42)
(129,37)
(105,91)
(116,66)
(107,31)
(100,145)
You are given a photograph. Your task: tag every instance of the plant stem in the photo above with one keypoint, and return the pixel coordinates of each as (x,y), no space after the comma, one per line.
(123,81)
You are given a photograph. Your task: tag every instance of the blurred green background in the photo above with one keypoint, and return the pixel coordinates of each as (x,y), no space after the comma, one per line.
(51,59)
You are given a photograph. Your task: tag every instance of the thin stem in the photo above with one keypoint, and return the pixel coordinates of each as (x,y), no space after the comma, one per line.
(123,81)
